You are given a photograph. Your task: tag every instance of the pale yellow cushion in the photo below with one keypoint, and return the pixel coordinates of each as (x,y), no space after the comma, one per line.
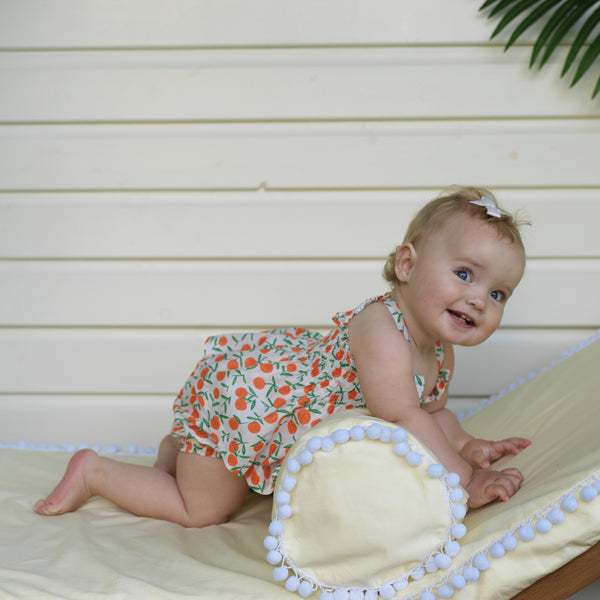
(373,509)
(101,551)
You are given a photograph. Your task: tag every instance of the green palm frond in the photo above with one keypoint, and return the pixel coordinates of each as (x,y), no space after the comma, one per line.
(559,18)
(582,36)
(557,26)
(528,20)
(566,22)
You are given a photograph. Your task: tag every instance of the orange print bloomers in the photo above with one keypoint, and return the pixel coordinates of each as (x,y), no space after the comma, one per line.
(254,394)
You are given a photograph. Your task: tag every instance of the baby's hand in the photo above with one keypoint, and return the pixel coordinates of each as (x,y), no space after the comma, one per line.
(486,486)
(482,453)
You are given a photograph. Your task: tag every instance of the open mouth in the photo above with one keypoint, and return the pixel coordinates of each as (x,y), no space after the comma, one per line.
(462,319)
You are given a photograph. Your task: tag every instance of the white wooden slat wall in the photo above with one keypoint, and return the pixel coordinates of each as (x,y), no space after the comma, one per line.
(169,171)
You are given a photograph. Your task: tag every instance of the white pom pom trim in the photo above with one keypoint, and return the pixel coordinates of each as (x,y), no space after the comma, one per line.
(131,450)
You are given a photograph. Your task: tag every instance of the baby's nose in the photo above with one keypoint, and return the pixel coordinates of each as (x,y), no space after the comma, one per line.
(477,301)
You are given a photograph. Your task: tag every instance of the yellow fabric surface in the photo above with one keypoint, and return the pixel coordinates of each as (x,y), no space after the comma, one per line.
(559,411)
(102,552)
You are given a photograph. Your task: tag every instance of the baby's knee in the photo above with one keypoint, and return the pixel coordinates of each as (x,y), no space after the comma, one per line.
(210,509)
(211,493)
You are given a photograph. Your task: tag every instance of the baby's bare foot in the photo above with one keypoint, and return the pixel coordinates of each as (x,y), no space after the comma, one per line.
(72,490)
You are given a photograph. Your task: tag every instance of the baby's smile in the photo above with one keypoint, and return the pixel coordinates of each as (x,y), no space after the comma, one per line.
(462,319)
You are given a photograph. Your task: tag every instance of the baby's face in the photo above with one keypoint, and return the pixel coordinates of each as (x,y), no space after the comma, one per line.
(462,278)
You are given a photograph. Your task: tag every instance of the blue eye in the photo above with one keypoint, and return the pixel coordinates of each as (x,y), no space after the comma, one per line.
(463,274)
(498,296)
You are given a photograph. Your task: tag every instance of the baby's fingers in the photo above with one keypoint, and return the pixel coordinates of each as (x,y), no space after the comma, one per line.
(512,445)
(515,444)
(506,485)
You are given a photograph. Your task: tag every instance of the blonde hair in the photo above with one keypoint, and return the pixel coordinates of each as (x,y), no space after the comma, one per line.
(456,200)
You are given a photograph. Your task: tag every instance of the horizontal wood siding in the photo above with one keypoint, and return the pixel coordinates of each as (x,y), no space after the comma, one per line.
(227,23)
(187,225)
(299,155)
(404,82)
(168,172)
(276,292)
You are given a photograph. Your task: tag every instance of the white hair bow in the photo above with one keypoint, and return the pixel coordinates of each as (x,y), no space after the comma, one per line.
(490,206)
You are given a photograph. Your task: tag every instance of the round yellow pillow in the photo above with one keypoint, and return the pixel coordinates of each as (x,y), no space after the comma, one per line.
(361,509)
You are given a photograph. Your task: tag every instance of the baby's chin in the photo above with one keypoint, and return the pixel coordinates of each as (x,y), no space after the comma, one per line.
(464,340)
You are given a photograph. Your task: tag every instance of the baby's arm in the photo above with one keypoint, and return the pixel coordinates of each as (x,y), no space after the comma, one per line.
(385,371)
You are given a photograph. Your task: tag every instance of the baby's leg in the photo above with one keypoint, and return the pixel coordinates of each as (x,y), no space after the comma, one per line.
(204,493)
(168,451)
(210,491)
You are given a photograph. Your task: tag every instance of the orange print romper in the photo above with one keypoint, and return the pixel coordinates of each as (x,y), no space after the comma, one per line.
(254,394)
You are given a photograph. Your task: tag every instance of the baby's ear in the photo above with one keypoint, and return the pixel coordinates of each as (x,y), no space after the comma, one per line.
(406,256)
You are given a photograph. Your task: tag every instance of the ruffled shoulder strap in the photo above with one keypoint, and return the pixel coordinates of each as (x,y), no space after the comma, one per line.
(343,318)
(443,374)
(394,309)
